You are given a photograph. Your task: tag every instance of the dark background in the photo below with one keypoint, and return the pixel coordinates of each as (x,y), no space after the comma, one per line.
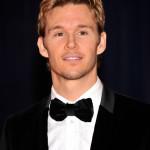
(24,78)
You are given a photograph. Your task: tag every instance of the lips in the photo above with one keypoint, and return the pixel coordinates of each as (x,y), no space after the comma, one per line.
(72,57)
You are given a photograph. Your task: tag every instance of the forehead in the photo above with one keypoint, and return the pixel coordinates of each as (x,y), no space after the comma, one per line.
(70,14)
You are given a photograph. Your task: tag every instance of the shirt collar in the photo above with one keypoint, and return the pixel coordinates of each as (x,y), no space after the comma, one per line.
(95,93)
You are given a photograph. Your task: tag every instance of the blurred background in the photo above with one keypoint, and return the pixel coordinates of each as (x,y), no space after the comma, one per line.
(125,65)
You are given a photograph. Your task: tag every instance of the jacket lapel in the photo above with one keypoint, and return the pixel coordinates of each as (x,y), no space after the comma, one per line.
(42,126)
(102,137)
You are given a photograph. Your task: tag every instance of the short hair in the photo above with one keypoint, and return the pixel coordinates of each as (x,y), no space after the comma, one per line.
(47,5)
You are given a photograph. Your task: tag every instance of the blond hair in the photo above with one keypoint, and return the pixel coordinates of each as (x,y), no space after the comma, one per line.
(47,5)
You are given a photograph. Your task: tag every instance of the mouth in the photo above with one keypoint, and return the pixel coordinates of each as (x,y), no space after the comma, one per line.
(72,57)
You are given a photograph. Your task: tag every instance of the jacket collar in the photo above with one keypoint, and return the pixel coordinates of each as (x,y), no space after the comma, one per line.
(108,99)
(102,137)
(102,132)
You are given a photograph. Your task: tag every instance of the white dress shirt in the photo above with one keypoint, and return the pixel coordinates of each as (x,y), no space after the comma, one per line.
(72,133)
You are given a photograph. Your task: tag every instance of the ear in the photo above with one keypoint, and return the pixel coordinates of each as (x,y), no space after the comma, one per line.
(102,44)
(43,51)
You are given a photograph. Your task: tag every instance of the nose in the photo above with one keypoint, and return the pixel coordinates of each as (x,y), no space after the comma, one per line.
(71,42)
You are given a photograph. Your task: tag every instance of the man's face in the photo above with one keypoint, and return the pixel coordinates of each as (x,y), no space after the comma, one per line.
(71,42)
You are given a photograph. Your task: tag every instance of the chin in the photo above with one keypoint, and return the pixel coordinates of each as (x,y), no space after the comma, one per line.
(74,75)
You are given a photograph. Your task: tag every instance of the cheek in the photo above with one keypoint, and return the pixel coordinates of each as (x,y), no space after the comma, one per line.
(91,50)
(54,57)
(54,47)
(92,55)
(51,48)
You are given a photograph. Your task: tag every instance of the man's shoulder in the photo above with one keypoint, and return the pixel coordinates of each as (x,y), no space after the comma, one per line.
(31,113)
(113,100)
(128,107)
(23,126)
(124,98)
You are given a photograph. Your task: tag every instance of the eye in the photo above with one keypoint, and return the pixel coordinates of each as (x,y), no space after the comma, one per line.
(59,34)
(83,33)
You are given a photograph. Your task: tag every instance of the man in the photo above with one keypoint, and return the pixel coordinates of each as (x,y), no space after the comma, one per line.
(81,113)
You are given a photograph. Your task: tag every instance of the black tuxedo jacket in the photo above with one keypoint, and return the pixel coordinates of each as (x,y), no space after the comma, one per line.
(122,123)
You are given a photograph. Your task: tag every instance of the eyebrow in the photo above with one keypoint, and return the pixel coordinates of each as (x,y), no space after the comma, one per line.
(85,26)
(57,27)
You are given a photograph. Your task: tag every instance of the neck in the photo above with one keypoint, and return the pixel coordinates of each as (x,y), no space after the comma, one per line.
(73,89)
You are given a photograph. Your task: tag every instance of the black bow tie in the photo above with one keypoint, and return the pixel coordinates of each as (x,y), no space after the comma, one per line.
(82,109)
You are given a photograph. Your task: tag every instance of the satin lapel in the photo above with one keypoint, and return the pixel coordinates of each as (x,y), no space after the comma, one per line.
(102,137)
(42,126)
